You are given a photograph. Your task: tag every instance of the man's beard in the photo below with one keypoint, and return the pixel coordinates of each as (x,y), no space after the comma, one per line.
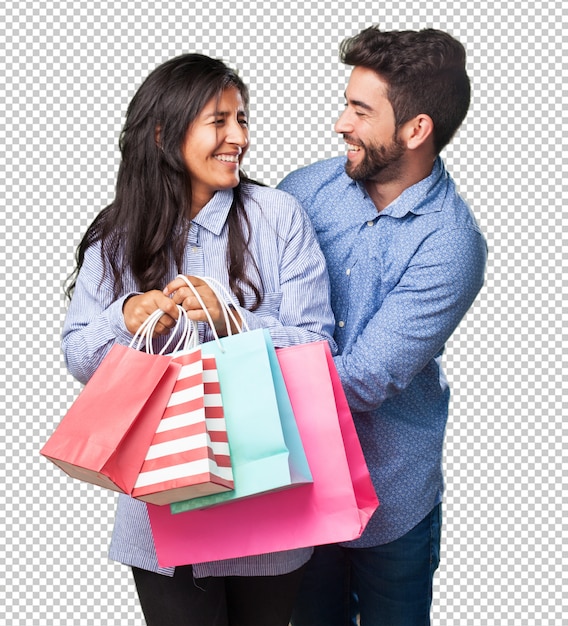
(381,163)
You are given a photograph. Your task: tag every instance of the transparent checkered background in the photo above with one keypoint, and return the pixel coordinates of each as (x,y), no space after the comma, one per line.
(67,72)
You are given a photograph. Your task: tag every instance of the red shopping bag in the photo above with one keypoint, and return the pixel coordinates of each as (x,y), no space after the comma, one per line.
(189,454)
(335,507)
(106,433)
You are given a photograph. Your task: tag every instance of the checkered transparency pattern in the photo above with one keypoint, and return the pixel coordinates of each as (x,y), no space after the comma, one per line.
(68,71)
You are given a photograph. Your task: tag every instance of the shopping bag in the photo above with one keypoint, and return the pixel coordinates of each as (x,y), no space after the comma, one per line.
(336,507)
(189,454)
(106,433)
(266,449)
(104,436)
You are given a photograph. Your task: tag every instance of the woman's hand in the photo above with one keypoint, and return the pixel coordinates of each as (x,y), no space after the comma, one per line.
(182,294)
(136,309)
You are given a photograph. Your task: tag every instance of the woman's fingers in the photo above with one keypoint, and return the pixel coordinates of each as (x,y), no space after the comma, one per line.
(137,308)
(180,293)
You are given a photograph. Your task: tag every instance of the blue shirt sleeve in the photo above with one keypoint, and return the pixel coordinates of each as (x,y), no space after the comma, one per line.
(415,319)
(302,312)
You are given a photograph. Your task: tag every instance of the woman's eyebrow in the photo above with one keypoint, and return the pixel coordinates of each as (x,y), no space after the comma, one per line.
(217,113)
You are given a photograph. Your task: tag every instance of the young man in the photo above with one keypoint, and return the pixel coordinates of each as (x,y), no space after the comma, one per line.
(406,260)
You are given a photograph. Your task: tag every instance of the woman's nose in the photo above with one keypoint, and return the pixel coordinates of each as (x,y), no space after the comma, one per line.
(238,134)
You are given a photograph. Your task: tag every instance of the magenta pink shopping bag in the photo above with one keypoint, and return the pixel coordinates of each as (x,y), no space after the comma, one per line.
(335,507)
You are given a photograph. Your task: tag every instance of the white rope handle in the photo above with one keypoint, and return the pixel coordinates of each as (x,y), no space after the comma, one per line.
(189,337)
(207,314)
(140,335)
(226,299)
(218,288)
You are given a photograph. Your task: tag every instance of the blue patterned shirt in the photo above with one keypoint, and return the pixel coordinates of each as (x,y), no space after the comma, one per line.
(401,281)
(295,309)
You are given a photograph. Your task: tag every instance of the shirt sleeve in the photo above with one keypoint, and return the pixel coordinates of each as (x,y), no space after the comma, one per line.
(415,319)
(304,312)
(300,313)
(94,320)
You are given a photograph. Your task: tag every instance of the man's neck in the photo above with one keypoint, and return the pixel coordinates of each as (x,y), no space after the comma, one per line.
(383,193)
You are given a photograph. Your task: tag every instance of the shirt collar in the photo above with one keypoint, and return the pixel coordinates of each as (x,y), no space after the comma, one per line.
(420,198)
(214,214)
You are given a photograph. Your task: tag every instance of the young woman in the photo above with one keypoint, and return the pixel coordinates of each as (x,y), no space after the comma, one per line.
(183,206)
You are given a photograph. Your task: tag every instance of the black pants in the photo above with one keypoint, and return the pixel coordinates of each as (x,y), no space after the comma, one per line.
(182,600)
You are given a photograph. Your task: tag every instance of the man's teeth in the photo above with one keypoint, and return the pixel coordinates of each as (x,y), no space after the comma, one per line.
(353,148)
(228,158)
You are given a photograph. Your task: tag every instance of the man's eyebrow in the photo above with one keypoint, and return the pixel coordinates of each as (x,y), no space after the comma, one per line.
(358,103)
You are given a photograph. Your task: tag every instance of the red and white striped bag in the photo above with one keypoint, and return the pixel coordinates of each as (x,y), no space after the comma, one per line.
(189,455)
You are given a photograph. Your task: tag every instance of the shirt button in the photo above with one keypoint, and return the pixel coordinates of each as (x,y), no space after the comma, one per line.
(348,271)
(370,223)
(341,324)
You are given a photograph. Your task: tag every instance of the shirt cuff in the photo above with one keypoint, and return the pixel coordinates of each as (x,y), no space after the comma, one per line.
(116,321)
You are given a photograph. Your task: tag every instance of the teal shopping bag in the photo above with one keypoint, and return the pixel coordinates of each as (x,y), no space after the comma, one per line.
(265,446)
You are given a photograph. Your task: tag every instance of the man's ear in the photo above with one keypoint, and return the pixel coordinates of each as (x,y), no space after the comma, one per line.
(418,131)
(158,135)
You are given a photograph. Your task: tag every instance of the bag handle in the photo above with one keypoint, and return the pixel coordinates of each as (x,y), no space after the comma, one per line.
(189,337)
(219,291)
(190,333)
(229,302)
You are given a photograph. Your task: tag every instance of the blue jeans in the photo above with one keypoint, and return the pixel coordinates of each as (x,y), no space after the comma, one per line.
(386,585)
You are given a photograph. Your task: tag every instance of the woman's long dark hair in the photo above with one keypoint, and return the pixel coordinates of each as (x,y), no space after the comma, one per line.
(146,226)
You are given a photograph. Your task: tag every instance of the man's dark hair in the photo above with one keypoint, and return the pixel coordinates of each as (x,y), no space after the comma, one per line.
(425,73)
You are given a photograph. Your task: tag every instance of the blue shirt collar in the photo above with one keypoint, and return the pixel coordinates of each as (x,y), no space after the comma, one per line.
(418,199)
(214,214)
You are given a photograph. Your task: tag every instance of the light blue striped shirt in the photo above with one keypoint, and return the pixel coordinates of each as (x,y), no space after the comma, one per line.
(295,308)
(401,281)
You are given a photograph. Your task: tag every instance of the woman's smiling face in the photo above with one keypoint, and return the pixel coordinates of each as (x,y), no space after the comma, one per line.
(214,147)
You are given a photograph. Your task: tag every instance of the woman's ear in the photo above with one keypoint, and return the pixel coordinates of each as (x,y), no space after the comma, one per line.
(157,135)
(418,131)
